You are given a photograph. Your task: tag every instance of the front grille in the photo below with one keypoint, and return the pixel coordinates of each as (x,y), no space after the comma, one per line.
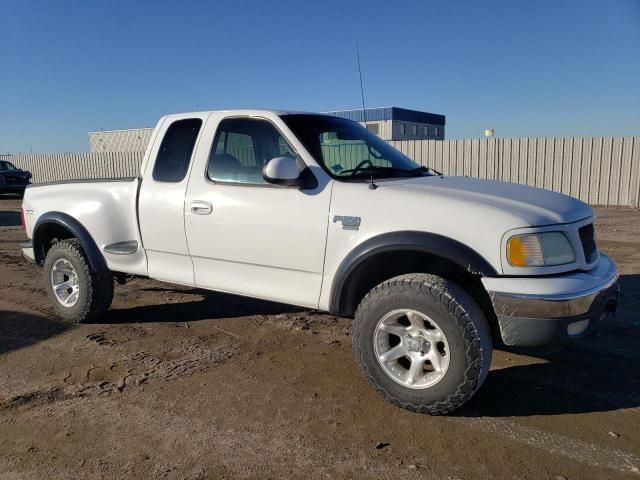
(588,240)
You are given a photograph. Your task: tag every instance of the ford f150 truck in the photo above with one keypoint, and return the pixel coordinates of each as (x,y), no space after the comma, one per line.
(316,211)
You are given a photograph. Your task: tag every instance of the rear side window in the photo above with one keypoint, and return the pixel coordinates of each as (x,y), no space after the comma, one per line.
(175,152)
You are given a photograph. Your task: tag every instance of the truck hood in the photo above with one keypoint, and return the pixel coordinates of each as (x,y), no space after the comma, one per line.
(535,206)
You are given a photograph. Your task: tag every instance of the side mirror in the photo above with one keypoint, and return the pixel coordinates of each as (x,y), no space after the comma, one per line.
(282,171)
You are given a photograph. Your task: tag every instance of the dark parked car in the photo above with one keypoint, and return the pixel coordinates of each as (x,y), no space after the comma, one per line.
(13,179)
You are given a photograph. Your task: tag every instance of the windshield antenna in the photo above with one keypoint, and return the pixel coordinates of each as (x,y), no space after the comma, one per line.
(372,186)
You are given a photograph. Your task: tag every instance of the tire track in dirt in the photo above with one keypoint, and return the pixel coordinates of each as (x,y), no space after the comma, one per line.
(185,359)
(559,445)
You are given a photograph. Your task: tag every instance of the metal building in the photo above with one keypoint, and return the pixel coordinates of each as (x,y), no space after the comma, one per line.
(394,123)
(130,140)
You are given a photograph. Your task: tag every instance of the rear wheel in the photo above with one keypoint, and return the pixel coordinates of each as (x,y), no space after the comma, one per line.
(422,343)
(78,292)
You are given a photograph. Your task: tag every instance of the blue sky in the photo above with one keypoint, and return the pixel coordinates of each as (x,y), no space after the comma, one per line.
(525,68)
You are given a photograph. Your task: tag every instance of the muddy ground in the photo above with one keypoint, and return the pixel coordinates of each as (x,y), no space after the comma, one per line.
(177,383)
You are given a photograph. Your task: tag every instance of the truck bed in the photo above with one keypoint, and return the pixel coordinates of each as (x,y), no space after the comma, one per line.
(82,180)
(106,208)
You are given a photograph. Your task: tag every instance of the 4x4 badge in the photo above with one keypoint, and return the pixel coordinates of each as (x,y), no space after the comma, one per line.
(348,223)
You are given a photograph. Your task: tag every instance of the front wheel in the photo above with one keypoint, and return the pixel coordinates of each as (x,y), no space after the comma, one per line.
(78,292)
(422,342)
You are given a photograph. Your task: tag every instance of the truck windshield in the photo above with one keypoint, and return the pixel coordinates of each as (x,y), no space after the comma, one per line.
(347,151)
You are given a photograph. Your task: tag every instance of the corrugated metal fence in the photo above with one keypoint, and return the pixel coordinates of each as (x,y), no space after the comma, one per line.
(598,170)
(49,167)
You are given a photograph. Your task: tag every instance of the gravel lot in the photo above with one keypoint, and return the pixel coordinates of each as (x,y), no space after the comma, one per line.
(178,383)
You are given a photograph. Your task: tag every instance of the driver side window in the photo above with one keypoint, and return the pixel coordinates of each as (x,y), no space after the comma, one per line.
(242,147)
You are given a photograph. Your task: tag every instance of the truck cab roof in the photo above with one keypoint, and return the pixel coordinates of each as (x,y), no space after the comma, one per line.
(246,112)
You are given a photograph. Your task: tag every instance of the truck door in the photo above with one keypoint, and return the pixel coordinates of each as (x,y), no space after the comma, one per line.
(161,200)
(245,235)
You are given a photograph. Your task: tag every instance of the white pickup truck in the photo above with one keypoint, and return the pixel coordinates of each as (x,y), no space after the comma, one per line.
(314,210)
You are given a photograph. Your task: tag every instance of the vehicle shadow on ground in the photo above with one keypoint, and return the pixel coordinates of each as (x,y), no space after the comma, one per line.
(552,389)
(211,306)
(19,330)
(9,219)
(598,374)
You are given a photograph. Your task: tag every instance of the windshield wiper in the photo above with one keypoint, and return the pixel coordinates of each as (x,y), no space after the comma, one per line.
(425,169)
(416,172)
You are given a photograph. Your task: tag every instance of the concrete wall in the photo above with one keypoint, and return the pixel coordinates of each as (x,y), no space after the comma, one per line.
(598,170)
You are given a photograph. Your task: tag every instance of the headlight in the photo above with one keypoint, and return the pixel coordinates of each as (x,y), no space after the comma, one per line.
(539,249)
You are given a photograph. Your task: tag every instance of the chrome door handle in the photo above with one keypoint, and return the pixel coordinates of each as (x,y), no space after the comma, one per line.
(200,207)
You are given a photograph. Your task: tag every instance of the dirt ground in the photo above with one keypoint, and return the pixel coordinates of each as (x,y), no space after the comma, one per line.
(177,383)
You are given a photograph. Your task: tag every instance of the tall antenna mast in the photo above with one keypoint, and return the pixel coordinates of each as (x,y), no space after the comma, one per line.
(364,109)
(372,185)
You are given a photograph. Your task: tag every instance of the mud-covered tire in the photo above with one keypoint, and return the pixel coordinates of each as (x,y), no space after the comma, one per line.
(95,288)
(459,318)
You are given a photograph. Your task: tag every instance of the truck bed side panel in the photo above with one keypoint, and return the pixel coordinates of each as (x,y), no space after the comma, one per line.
(107,209)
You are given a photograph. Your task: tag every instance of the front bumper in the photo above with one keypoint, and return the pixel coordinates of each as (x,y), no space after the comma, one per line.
(537,311)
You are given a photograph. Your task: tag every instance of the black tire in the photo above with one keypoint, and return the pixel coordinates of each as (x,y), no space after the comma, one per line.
(458,317)
(95,287)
